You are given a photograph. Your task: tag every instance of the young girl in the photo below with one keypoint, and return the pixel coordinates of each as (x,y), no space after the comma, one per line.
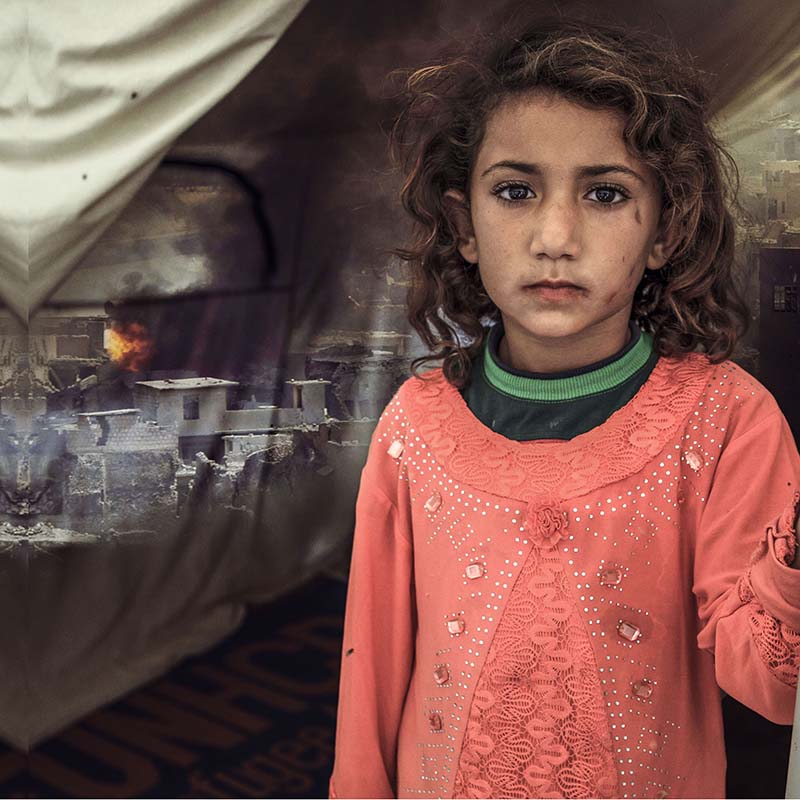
(579,528)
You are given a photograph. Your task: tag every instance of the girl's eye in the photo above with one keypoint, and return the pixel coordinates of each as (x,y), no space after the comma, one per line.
(605,194)
(512,192)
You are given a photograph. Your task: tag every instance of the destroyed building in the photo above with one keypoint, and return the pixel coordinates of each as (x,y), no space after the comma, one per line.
(199,411)
(56,351)
(88,440)
(365,368)
(114,461)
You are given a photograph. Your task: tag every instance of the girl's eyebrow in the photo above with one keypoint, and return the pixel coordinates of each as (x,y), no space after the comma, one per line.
(582,172)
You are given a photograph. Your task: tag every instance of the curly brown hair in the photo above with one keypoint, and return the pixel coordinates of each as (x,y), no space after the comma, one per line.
(693,301)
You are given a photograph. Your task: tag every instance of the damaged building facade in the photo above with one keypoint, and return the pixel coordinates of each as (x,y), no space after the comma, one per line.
(179,445)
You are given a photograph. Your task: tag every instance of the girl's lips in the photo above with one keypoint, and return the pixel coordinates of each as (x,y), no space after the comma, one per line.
(547,286)
(549,293)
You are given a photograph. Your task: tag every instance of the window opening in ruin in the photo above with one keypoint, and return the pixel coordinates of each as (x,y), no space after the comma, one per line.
(105,429)
(191,406)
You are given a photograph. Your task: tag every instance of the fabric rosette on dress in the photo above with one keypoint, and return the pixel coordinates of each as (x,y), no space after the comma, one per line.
(545,521)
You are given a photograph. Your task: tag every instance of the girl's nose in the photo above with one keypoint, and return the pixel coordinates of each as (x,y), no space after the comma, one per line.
(554,229)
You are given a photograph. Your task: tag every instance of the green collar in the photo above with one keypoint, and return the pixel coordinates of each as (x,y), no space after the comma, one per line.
(572,387)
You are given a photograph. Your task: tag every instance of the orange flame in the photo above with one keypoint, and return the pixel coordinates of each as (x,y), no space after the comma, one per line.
(129,346)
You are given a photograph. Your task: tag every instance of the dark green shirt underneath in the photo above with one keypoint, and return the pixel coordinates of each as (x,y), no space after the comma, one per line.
(555,405)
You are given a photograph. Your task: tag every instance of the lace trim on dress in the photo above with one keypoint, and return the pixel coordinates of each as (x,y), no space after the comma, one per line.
(777,644)
(538,725)
(478,456)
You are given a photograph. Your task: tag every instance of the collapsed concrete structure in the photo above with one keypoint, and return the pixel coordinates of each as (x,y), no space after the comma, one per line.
(94,445)
(113,460)
(199,411)
(182,446)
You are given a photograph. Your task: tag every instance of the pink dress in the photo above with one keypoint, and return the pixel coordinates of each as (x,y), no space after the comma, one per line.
(554,618)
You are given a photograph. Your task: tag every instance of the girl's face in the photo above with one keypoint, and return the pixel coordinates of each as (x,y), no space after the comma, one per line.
(555,195)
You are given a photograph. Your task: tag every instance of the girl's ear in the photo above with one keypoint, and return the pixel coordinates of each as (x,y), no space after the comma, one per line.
(457,210)
(664,244)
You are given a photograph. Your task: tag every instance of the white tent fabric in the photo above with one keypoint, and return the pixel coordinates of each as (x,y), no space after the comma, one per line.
(90,100)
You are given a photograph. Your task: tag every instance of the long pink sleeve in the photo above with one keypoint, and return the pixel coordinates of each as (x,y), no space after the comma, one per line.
(379,632)
(748,598)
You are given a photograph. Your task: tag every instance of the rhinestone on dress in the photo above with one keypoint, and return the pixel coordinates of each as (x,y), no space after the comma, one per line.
(474,571)
(395,449)
(611,577)
(435,722)
(643,689)
(441,675)
(629,631)
(433,502)
(455,626)
(693,460)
